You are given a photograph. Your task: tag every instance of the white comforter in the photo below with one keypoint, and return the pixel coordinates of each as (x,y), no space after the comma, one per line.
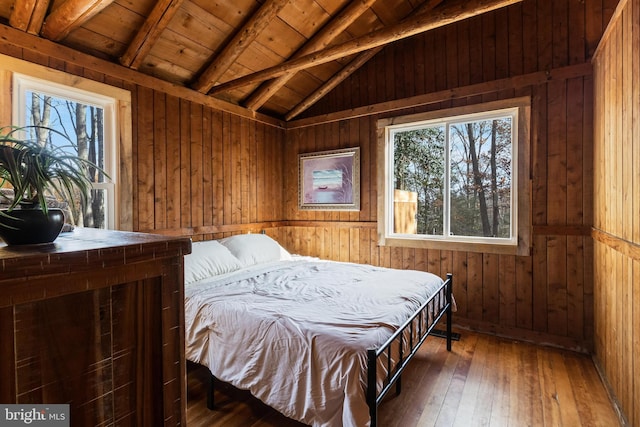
(295,333)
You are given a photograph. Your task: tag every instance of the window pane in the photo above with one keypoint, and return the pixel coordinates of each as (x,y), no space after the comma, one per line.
(83,126)
(480,161)
(96,211)
(419,181)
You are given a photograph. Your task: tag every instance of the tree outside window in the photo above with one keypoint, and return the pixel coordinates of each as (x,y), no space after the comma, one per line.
(480,178)
(418,167)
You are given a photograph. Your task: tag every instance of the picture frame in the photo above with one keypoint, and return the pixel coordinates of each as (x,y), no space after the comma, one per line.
(329,180)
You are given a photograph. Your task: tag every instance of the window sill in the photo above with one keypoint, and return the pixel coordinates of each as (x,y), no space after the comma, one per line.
(521,249)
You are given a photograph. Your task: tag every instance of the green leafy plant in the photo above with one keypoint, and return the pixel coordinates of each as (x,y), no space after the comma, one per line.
(35,170)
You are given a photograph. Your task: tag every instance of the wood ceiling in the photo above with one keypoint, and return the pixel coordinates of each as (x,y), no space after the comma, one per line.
(277,57)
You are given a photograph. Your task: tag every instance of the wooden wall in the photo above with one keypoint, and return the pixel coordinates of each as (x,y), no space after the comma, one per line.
(617,207)
(200,169)
(197,169)
(539,49)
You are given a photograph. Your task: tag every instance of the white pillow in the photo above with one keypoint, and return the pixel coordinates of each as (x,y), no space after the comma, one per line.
(208,258)
(253,249)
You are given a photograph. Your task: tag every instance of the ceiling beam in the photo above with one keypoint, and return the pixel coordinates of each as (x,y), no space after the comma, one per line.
(334,81)
(70,15)
(240,42)
(28,15)
(448,13)
(319,41)
(349,69)
(143,41)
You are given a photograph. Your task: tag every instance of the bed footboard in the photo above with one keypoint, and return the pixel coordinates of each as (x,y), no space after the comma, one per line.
(400,348)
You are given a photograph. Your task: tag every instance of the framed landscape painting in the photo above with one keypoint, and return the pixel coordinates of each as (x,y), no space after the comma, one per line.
(329,180)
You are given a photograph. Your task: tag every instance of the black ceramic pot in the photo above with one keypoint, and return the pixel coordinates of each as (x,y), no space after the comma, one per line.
(30,226)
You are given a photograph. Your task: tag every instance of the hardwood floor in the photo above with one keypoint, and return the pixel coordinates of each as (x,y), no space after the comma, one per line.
(483,381)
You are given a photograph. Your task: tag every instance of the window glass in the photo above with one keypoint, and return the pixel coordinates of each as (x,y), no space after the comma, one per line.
(480,178)
(82,123)
(419,174)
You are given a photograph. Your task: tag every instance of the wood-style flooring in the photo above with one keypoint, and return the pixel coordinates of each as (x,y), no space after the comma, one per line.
(483,381)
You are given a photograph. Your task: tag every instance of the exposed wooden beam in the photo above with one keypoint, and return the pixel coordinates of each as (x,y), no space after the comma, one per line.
(21,14)
(334,81)
(70,15)
(143,41)
(28,15)
(450,12)
(319,41)
(37,17)
(239,43)
(349,69)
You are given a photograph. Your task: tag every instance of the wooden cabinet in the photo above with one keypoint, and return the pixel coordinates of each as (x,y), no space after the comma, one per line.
(96,320)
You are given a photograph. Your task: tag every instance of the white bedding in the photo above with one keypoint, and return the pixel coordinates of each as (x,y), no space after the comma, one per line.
(295,333)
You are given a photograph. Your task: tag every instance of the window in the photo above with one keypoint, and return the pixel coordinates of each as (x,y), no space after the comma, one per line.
(85,123)
(62,101)
(452,179)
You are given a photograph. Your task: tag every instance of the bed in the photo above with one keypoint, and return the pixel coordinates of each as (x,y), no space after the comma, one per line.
(322,342)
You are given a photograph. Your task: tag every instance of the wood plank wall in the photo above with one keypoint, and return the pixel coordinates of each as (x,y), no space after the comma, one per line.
(200,170)
(197,170)
(617,207)
(539,49)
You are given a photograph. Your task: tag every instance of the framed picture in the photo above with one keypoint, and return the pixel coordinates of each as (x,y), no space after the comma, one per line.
(329,180)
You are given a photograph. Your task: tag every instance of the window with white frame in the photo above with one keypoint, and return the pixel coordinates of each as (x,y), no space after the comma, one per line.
(451,179)
(85,123)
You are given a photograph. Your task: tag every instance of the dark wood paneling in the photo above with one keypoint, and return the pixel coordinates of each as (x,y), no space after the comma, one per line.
(617,203)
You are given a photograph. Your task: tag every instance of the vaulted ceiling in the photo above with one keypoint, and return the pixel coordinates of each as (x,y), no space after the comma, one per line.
(277,57)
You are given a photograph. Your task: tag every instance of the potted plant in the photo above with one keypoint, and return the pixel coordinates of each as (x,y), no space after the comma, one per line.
(37,171)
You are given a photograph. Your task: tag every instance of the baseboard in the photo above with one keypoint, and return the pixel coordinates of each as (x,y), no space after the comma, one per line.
(612,396)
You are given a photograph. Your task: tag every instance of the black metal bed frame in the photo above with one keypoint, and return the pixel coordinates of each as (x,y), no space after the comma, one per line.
(408,337)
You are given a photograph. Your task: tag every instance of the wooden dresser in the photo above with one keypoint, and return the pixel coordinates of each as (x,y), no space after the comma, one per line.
(96,320)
